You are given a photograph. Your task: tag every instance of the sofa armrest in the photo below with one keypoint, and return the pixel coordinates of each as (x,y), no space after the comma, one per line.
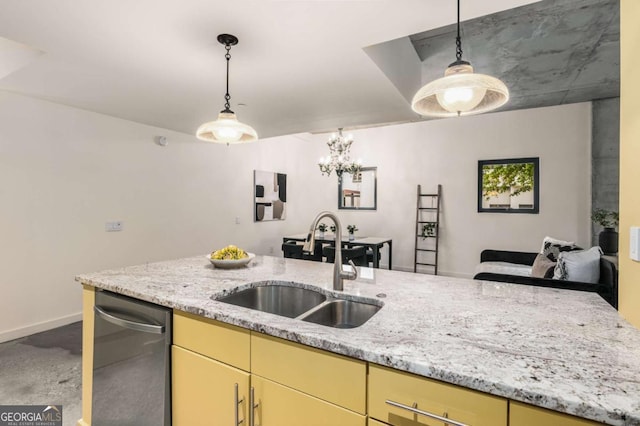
(521,257)
(606,291)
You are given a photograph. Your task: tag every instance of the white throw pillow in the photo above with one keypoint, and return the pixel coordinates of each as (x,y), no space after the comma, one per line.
(552,247)
(582,266)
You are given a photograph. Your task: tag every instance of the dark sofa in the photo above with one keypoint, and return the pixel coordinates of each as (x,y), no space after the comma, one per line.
(607,286)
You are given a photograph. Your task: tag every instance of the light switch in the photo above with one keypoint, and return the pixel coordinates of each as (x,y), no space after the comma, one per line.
(634,240)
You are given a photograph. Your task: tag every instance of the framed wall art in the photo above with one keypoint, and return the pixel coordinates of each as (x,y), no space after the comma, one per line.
(509,186)
(270,196)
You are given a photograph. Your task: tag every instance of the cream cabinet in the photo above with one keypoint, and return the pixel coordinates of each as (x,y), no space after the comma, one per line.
(209,372)
(206,392)
(226,375)
(334,378)
(400,398)
(279,405)
(527,415)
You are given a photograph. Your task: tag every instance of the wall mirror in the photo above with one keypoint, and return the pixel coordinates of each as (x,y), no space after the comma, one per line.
(359,191)
(509,186)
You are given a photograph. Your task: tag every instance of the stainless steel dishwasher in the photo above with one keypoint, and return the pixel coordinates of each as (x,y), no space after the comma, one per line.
(131,362)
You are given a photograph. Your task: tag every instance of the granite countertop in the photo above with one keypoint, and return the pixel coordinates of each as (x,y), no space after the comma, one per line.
(564,350)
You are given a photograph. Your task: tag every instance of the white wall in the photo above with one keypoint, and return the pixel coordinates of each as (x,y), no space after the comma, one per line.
(447,152)
(64,172)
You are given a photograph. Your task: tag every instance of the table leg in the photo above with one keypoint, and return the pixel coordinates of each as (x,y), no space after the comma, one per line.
(390,254)
(376,256)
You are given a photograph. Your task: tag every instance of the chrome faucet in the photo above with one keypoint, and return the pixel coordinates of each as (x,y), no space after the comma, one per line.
(338,273)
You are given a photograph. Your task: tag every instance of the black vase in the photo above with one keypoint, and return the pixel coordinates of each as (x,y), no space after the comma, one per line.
(608,241)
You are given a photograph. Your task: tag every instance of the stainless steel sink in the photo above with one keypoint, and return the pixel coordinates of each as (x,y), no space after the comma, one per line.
(281,300)
(342,314)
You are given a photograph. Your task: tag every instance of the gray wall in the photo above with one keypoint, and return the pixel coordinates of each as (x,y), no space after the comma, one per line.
(605,161)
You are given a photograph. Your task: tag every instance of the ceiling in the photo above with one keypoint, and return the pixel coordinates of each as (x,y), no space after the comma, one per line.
(549,53)
(300,65)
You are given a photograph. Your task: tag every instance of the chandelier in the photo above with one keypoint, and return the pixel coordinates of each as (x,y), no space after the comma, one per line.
(460,91)
(339,159)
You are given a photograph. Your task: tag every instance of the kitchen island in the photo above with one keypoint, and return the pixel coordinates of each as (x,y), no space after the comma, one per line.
(562,350)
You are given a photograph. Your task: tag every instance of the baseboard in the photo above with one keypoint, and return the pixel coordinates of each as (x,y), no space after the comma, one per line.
(456,274)
(440,273)
(399,268)
(17,333)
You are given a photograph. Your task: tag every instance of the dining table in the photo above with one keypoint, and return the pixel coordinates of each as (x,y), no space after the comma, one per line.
(373,243)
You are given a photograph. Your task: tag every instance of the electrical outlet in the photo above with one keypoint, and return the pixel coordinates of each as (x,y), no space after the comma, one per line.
(270,250)
(113,226)
(237,220)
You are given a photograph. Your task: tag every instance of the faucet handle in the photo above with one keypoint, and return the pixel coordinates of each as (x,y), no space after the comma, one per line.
(352,275)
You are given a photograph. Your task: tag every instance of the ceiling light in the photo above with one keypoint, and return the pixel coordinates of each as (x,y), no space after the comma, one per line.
(339,159)
(226,129)
(460,91)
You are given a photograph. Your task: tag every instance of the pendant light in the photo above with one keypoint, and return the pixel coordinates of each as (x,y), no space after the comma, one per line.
(460,91)
(226,129)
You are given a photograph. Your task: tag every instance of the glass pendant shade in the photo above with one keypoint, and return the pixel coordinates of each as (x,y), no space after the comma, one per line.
(460,92)
(226,129)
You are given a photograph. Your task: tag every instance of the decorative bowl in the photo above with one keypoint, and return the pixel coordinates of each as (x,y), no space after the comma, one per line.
(232,263)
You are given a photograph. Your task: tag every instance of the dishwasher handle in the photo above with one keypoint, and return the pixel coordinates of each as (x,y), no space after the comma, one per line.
(125,323)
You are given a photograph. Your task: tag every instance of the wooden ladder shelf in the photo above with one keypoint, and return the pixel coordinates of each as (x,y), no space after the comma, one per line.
(425,257)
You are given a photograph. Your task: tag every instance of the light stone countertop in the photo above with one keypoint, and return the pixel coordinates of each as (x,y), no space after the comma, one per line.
(564,350)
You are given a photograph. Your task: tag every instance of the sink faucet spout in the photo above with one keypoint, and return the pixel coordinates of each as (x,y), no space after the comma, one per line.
(338,274)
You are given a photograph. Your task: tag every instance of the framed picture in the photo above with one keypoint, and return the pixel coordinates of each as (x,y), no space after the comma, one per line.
(270,196)
(509,186)
(358,191)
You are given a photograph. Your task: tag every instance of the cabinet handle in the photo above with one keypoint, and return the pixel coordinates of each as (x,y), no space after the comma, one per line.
(237,401)
(425,413)
(252,407)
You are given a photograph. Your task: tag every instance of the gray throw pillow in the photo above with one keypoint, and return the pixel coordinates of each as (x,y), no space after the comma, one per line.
(581,266)
(541,267)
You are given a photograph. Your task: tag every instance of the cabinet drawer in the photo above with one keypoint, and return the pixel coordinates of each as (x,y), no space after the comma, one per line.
(372,422)
(223,342)
(442,399)
(279,405)
(526,415)
(334,378)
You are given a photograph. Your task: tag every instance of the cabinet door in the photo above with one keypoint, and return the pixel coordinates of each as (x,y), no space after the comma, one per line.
(282,406)
(203,391)
(527,415)
(431,396)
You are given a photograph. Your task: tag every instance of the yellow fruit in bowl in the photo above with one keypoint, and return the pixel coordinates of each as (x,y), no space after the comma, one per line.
(230,252)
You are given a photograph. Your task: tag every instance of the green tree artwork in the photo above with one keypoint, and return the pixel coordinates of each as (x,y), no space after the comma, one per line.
(516,178)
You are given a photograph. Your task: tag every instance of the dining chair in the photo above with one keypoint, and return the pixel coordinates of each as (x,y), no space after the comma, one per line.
(356,253)
(293,250)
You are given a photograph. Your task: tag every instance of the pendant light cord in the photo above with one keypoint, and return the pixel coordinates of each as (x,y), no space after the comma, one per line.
(458,39)
(227,96)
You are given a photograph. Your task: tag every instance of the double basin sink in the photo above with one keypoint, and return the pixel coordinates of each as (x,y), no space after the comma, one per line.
(304,304)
